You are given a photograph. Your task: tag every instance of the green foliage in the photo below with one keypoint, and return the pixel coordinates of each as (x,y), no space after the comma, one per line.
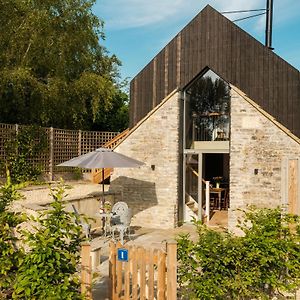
(264,262)
(48,271)
(53,70)
(10,254)
(77,173)
(20,152)
(116,118)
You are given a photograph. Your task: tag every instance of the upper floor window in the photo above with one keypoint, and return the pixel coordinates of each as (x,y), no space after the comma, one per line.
(208,109)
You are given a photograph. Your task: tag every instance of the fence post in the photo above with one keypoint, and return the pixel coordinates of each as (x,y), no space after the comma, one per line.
(79,142)
(151,274)
(172,271)
(86,272)
(51,155)
(133,257)
(112,270)
(161,276)
(17,128)
(119,277)
(142,262)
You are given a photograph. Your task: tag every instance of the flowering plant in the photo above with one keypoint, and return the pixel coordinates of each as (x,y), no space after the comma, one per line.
(107,206)
(218,179)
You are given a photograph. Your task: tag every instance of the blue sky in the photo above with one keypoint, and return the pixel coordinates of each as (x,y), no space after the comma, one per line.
(136,30)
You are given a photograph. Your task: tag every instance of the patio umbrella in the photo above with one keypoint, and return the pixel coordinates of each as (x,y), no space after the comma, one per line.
(102,158)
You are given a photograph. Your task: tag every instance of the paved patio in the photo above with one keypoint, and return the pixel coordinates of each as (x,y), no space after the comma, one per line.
(145,237)
(35,197)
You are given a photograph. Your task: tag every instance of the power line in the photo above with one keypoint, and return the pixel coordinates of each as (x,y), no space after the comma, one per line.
(242,11)
(253,16)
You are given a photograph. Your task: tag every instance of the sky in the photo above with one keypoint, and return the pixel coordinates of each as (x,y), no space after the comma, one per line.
(136,30)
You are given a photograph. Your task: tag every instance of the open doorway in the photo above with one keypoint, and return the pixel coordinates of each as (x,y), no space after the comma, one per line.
(215,168)
(206,184)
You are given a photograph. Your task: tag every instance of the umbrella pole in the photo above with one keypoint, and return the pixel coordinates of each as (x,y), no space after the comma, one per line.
(103,200)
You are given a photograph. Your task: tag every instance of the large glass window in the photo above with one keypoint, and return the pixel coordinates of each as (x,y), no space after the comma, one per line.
(207,110)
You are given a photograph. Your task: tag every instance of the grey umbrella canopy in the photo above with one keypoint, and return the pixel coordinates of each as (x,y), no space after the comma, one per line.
(102,158)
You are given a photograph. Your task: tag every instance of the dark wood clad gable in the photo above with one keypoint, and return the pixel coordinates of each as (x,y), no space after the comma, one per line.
(211,40)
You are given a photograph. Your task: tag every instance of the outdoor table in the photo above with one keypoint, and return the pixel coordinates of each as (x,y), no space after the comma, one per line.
(105,219)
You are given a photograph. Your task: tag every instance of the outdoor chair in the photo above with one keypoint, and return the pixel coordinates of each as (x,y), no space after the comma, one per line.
(85,226)
(120,220)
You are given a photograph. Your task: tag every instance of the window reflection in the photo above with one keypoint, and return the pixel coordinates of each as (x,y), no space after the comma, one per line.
(208,109)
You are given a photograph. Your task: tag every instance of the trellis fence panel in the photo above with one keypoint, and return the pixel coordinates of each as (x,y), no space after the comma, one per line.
(63,145)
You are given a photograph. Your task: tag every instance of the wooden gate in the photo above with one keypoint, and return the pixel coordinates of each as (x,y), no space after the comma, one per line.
(147,274)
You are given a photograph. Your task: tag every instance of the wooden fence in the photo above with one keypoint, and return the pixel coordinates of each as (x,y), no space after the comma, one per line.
(63,145)
(86,270)
(147,274)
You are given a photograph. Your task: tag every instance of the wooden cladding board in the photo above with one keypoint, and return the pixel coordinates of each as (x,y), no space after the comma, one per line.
(212,41)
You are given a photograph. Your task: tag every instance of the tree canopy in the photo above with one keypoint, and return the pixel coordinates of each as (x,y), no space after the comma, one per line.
(53,69)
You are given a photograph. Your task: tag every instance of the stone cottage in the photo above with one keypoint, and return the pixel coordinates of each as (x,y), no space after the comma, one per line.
(213,106)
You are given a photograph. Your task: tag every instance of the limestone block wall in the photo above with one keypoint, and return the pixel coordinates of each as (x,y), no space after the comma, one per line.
(256,143)
(151,191)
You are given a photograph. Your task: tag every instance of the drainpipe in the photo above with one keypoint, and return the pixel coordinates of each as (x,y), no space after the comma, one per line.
(184,155)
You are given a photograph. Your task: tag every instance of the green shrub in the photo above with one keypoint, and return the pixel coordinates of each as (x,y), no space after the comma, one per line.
(10,254)
(48,270)
(262,263)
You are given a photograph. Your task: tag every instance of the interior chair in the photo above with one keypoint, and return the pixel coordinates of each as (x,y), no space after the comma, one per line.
(213,201)
(225,200)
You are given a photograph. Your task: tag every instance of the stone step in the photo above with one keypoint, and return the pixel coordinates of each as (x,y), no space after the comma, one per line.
(190,203)
(195,210)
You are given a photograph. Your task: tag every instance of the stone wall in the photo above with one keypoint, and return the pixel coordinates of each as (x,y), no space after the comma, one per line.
(257,145)
(152,190)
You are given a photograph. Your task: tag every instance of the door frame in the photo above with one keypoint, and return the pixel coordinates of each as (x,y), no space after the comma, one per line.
(199,153)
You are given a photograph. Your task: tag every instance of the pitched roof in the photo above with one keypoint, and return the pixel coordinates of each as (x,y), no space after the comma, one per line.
(212,41)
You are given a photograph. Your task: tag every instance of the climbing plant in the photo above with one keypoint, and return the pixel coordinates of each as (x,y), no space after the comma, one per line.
(20,152)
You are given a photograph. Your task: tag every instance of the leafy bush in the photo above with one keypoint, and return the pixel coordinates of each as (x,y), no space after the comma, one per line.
(10,254)
(20,152)
(48,270)
(262,263)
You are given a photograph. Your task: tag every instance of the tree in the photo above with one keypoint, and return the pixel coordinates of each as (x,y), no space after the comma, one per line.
(116,118)
(53,70)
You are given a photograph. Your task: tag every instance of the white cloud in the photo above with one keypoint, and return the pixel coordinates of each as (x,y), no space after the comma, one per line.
(137,13)
(124,14)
